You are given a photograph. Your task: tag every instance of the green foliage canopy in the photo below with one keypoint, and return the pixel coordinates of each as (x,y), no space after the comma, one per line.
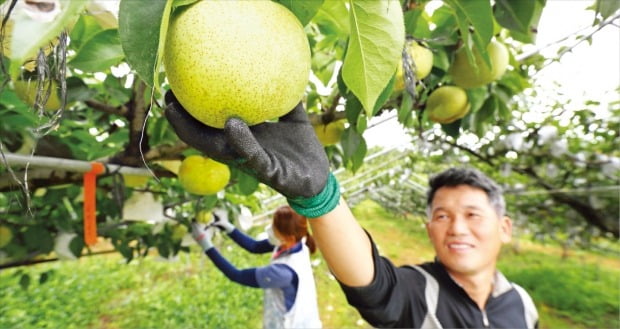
(111,85)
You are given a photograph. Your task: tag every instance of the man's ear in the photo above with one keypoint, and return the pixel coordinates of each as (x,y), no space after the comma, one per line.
(505,229)
(426,225)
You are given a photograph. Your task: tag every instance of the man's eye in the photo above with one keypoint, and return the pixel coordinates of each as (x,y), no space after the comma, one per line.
(441,217)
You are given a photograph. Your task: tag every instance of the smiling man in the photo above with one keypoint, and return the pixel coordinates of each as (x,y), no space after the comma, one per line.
(466,224)
(462,288)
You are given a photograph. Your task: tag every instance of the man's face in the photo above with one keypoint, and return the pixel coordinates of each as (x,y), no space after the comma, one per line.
(465,230)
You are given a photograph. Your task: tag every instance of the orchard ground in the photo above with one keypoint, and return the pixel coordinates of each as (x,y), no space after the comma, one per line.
(579,290)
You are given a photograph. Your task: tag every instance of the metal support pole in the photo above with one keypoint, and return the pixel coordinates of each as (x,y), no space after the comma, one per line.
(66,164)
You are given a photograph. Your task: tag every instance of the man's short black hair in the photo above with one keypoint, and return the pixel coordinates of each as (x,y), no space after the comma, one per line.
(470,177)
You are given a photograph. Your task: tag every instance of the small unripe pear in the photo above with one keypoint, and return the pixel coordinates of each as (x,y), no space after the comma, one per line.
(26,90)
(447,104)
(422,58)
(331,133)
(466,75)
(203,176)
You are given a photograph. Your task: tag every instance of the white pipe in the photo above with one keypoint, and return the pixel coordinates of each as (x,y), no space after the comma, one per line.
(12,159)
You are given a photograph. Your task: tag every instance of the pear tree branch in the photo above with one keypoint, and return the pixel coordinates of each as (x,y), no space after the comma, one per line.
(118,110)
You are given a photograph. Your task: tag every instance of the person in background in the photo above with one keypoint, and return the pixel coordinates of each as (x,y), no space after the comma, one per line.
(290,299)
(467,226)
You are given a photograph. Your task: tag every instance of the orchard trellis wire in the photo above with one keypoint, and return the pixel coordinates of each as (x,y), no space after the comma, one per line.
(399,190)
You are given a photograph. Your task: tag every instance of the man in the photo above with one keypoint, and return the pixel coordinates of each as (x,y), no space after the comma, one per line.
(466,225)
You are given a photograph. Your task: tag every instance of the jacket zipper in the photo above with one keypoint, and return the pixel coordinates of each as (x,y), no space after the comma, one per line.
(485,320)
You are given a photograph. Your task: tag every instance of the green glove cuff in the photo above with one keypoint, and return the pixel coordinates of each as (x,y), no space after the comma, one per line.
(319,204)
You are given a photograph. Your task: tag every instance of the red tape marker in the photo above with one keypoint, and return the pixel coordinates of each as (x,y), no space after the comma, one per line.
(90,202)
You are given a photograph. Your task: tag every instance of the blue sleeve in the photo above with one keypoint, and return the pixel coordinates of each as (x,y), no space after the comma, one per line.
(276,276)
(245,277)
(249,244)
(279,276)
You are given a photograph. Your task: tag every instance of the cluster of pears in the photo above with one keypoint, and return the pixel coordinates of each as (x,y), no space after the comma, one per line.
(447,104)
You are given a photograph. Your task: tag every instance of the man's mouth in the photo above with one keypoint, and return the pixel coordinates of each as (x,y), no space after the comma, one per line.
(460,246)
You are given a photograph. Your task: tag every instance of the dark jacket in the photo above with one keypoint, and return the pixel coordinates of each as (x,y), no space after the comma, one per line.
(401,297)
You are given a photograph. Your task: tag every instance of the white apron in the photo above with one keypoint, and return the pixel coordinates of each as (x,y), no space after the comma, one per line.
(304,313)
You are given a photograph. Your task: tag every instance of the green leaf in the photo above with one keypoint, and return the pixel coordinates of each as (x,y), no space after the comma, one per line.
(607,7)
(304,10)
(83,30)
(514,15)
(521,17)
(353,108)
(452,129)
(488,108)
(117,138)
(477,14)
(405,110)
(476,97)
(354,148)
(374,49)
(99,52)
(163,29)
(160,132)
(384,96)
(140,28)
(323,66)
(76,245)
(43,277)
(30,32)
(38,238)
(478,119)
(361,124)
(207,202)
(332,17)
(503,111)
(445,21)
(24,281)
(163,248)
(246,184)
(78,91)
(180,3)
(416,24)
(514,81)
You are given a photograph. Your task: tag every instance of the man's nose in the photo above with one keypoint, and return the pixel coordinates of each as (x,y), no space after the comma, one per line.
(458,225)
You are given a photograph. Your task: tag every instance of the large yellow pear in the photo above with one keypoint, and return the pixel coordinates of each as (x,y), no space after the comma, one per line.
(331,133)
(422,60)
(203,176)
(235,58)
(26,90)
(447,104)
(466,75)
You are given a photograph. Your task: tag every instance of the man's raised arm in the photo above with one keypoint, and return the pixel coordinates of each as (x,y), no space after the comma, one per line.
(287,156)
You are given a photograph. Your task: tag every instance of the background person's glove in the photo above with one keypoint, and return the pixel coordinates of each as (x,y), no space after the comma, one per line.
(285,155)
(203,234)
(220,220)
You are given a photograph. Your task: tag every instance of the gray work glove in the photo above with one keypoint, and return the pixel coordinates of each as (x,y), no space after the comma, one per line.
(285,155)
